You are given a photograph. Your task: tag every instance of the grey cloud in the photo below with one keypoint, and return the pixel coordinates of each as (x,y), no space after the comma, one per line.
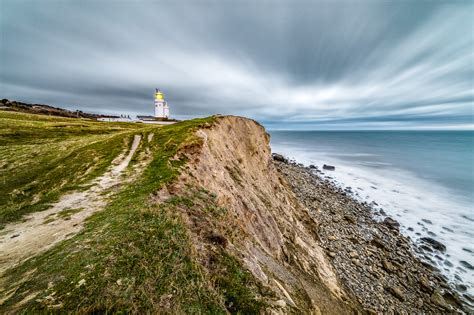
(304,64)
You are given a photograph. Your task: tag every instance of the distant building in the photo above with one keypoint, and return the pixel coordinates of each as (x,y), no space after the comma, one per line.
(122,118)
(139,117)
(161,106)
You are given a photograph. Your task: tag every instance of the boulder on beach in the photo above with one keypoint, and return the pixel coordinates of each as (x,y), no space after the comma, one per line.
(329,167)
(380,267)
(434,244)
(467,265)
(279,158)
(391,223)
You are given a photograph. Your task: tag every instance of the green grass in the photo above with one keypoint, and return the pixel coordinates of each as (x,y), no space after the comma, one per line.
(137,255)
(43,157)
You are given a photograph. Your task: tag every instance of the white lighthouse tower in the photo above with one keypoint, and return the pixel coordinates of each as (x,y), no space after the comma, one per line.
(161,106)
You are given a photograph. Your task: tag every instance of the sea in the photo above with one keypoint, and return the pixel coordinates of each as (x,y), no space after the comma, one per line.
(423,179)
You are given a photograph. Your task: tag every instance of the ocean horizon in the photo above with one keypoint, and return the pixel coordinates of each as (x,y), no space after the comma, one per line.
(423,179)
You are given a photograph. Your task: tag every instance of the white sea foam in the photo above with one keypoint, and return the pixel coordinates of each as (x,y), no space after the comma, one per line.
(409,200)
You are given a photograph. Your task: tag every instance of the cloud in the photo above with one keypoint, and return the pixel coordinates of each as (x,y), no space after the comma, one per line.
(300,64)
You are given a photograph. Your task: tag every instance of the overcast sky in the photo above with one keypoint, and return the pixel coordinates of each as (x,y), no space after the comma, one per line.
(290,65)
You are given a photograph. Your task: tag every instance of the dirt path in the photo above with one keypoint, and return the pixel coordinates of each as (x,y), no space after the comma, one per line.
(41,230)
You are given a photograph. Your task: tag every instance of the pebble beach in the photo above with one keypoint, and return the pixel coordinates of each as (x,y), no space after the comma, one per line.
(383,269)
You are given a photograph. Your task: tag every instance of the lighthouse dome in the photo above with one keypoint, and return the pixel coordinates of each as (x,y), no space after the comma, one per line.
(159,95)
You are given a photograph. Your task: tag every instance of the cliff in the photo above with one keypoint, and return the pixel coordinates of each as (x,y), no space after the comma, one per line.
(198,218)
(260,220)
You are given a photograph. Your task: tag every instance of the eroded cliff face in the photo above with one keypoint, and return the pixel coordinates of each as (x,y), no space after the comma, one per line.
(255,217)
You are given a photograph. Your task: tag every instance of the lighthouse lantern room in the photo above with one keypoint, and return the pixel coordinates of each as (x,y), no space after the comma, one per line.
(161,106)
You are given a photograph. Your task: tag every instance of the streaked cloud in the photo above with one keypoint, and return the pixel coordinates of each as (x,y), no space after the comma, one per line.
(299,64)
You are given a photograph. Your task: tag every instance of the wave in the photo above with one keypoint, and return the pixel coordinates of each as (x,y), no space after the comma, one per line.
(423,208)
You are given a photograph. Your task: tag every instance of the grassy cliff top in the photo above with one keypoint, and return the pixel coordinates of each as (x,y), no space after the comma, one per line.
(42,157)
(134,255)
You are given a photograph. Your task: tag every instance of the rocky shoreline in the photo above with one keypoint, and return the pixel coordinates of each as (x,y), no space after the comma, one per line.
(373,260)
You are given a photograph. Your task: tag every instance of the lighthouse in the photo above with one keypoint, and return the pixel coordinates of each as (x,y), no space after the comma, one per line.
(161,106)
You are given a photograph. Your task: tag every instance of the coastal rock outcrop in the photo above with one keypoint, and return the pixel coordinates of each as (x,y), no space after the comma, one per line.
(329,167)
(391,223)
(279,158)
(434,243)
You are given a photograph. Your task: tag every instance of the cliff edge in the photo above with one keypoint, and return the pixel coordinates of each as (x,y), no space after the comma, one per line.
(260,220)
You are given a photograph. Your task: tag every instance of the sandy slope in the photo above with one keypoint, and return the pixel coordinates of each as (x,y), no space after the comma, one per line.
(40,231)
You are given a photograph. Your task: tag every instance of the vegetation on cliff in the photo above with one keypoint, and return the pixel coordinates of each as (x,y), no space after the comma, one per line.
(199,219)
(133,256)
(42,157)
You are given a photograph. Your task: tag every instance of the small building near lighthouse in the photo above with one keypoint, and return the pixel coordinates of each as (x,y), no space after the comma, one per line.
(161,106)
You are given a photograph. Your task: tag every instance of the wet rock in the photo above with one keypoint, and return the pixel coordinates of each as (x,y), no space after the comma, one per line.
(279,158)
(467,265)
(425,284)
(434,243)
(437,299)
(312,167)
(388,266)
(353,254)
(426,248)
(356,262)
(391,223)
(397,292)
(377,243)
(419,303)
(448,263)
(452,298)
(461,287)
(329,167)
(350,219)
(15,235)
(427,221)
(447,229)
